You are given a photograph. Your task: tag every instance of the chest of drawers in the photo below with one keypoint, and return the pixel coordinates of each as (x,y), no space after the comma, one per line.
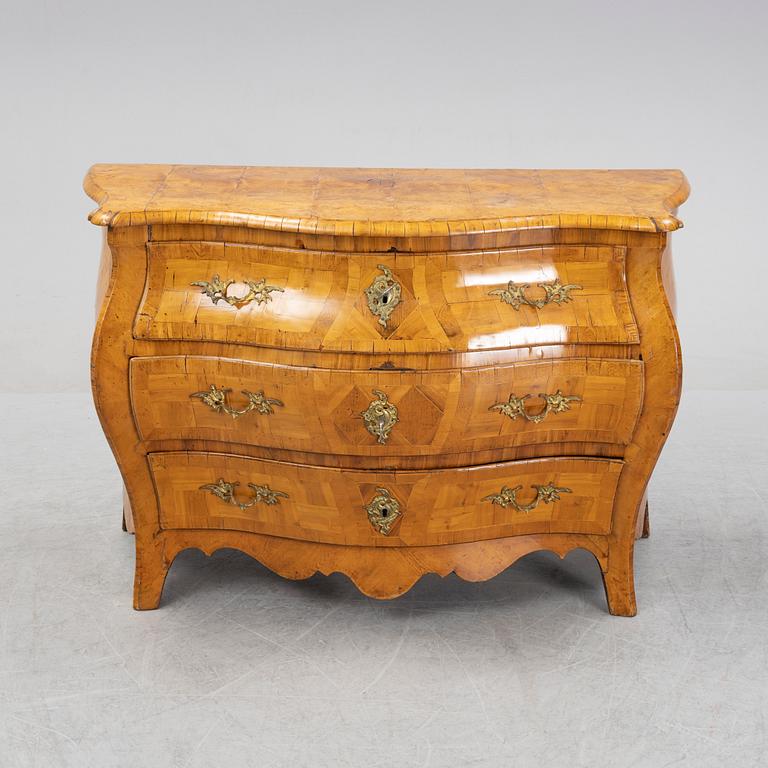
(385,373)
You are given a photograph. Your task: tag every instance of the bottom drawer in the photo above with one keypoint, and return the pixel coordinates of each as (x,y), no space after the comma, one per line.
(374,508)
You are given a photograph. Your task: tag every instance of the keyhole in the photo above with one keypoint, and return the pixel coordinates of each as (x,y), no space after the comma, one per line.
(385,298)
(384,512)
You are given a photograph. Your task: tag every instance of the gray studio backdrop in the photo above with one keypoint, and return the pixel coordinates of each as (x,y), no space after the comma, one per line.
(480,84)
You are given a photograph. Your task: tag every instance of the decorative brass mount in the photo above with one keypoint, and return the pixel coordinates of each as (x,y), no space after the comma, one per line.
(554,292)
(380,416)
(507,497)
(216,291)
(515,406)
(226,492)
(216,399)
(383,511)
(383,295)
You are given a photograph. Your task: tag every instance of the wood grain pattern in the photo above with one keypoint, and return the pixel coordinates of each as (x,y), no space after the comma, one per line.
(456,241)
(365,202)
(438,507)
(440,412)
(446,304)
(381,573)
(649,281)
(153,212)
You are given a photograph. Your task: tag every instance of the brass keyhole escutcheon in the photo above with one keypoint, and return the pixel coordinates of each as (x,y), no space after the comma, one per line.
(383,511)
(380,417)
(383,295)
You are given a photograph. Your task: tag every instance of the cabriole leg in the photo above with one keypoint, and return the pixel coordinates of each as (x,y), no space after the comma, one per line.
(151,569)
(619,580)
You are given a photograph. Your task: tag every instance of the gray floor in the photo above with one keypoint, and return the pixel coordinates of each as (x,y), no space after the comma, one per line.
(242,668)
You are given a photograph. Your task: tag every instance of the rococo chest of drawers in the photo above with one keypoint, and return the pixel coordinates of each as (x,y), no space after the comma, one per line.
(385,373)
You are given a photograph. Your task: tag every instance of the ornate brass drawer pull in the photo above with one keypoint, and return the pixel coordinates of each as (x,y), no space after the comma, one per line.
(226,492)
(554,292)
(383,511)
(383,295)
(380,417)
(216,399)
(515,406)
(216,291)
(507,497)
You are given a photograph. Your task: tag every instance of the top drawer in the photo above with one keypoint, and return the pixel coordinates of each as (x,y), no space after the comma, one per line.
(390,303)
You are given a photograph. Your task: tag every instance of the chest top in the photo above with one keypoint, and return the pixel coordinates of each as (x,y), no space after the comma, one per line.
(385,202)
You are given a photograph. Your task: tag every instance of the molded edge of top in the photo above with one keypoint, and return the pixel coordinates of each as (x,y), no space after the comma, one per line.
(147,182)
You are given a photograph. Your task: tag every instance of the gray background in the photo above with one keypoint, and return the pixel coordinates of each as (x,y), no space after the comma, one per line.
(241,668)
(481,84)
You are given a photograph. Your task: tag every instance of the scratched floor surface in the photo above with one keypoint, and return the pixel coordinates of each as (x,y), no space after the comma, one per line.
(241,668)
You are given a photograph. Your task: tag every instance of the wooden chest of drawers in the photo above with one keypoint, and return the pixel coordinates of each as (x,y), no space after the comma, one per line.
(385,372)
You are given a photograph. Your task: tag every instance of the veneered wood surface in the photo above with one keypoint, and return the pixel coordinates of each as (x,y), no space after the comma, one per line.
(385,571)
(650,282)
(439,412)
(374,201)
(379,572)
(445,306)
(438,507)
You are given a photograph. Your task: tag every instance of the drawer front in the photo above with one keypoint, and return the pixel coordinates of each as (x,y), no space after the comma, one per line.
(390,303)
(386,413)
(220,491)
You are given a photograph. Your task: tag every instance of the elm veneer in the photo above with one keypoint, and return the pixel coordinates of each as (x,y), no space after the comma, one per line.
(385,372)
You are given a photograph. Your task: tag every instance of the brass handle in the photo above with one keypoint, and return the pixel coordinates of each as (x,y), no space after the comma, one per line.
(380,417)
(383,295)
(554,292)
(383,511)
(507,497)
(515,406)
(226,492)
(217,290)
(216,399)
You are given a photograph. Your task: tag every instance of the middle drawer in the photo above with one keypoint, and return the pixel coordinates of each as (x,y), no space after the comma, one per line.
(386,413)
